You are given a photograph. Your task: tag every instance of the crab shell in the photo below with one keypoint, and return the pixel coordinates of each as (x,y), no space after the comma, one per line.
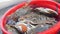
(46,10)
(21,27)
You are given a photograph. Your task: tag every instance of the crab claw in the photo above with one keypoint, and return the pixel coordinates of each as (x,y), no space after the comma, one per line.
(47,11)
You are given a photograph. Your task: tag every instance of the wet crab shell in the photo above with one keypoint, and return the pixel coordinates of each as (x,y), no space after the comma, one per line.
(46,10)
(21,27)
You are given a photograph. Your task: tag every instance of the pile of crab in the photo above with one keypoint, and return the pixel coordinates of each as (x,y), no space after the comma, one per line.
(31,20)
